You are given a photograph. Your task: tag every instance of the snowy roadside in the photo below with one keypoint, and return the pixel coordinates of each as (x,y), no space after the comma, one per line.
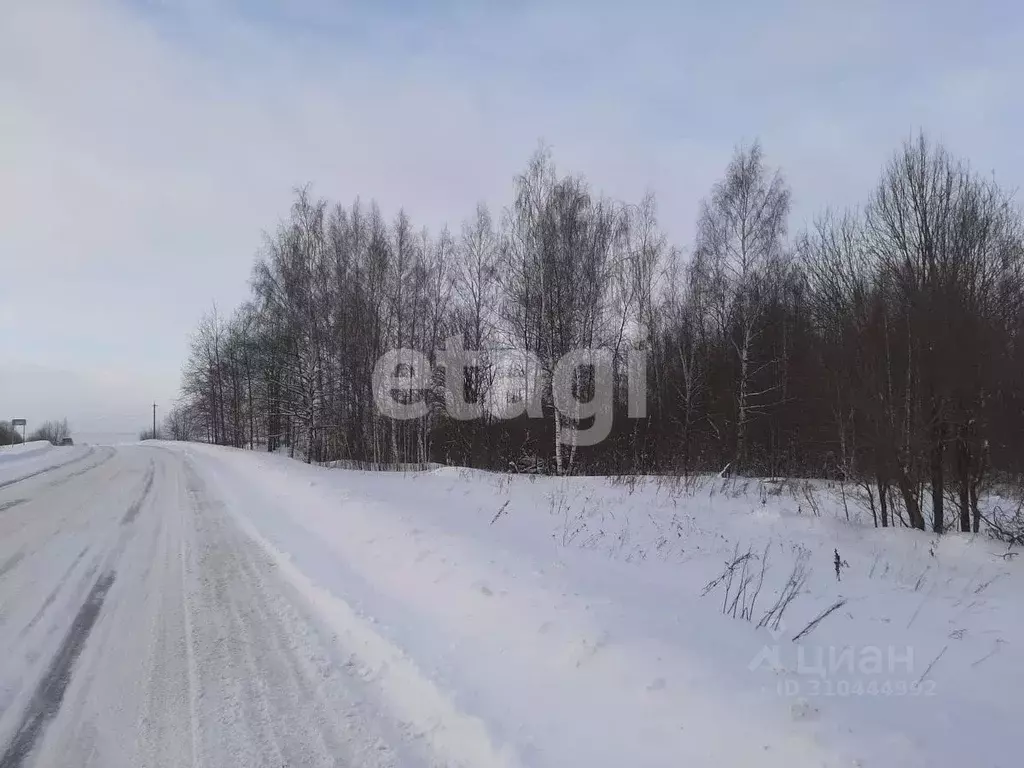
(562,621)
(23,451)
(19,462)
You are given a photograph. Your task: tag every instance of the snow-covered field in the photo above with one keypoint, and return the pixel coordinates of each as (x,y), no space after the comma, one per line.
(266,612)
(568,614)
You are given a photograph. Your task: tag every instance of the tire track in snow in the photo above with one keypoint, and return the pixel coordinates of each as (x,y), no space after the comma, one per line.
(49,693)
(83,457)
(147,486)
(10,562)
(79,472)
(53,595)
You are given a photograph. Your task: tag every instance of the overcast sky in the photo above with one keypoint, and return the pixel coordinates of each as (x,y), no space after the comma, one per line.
(146,145)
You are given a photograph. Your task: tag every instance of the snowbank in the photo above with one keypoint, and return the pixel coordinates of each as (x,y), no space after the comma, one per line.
(21,462)
(24,450)
(589,621)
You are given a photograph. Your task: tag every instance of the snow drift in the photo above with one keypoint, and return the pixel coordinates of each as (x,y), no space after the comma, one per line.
(590,621)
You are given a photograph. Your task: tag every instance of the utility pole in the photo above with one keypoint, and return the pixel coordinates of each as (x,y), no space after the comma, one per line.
(154,421)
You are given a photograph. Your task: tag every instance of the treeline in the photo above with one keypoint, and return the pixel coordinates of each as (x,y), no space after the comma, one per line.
(884,346)
(8,434)
(53,431)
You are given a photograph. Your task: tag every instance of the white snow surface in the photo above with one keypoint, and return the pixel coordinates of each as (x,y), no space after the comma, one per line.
(267,612)
(22,450)
(20,461)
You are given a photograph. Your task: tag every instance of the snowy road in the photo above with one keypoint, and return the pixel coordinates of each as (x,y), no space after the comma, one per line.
(141,627)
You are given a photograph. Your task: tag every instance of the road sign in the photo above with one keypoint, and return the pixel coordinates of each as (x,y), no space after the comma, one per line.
(17,422)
